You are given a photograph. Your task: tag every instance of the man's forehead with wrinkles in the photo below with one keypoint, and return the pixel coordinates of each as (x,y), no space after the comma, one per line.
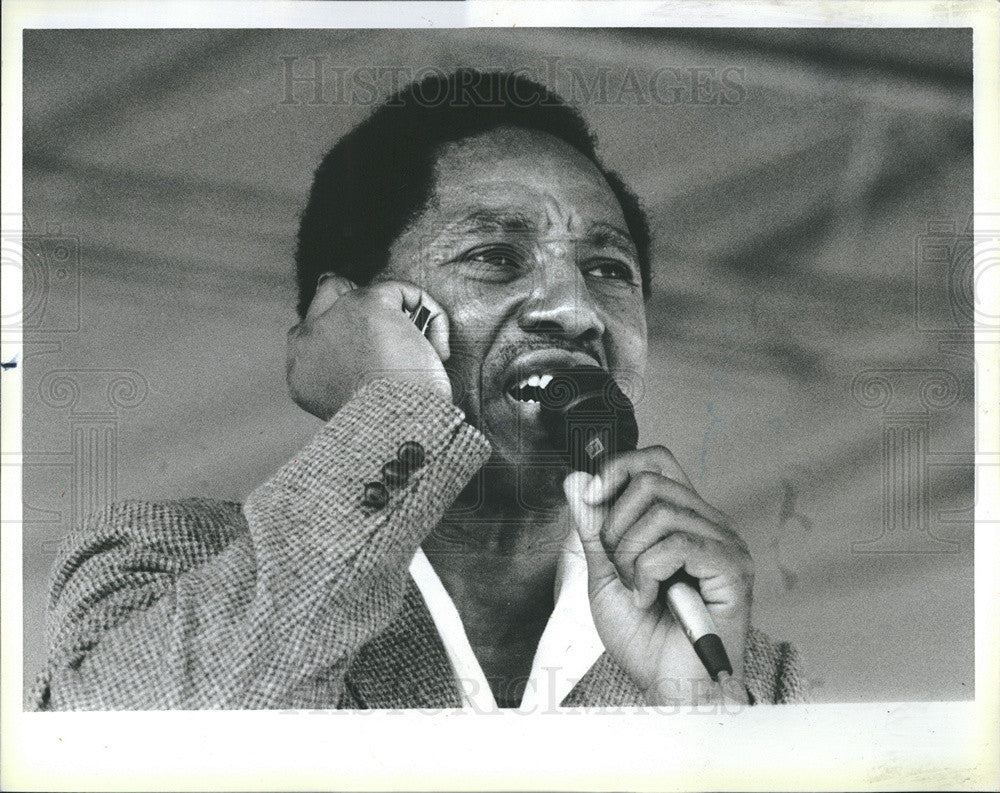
(524,182)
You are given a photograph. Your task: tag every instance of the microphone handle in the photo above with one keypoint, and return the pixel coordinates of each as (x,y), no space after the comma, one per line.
(680,593)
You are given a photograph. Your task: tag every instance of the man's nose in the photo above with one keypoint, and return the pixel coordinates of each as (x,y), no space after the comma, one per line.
(560,302)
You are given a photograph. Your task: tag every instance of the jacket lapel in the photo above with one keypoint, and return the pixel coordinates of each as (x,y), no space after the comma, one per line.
(605,685)
(405,666)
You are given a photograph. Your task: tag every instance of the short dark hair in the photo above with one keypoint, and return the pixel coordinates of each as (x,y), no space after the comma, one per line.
(376,178)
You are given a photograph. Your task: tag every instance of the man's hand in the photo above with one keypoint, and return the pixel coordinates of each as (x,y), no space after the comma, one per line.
(640,522)
(351,336)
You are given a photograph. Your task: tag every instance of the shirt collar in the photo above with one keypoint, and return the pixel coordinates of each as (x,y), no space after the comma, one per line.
(568,647)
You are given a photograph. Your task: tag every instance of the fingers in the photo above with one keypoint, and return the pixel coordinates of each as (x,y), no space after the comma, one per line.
(404,296)
(703,558)
(659,521)
(662,533)
(648,499)
(328,289)
(438,331)
(616,474)
(646,489)
(588,520)
(396,295)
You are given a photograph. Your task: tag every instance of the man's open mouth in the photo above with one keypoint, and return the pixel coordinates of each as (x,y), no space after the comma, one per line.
(532,373)
(530,388)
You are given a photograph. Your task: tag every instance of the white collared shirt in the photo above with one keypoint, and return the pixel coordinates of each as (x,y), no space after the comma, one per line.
(569,645)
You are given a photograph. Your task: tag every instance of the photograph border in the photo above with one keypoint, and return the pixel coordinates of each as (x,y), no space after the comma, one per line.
(872,746)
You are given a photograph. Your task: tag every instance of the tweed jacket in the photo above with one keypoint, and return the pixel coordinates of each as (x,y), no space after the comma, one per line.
(301,598)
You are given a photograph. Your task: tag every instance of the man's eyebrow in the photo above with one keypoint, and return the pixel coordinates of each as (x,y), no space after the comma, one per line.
(601,235)
(490,220)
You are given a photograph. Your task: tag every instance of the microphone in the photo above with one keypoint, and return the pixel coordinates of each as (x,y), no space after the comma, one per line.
(589,420)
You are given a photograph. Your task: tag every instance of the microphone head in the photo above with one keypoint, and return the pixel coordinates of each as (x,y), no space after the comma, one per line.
(587,417)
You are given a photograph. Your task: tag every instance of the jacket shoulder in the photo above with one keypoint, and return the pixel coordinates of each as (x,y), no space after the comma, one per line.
(190,521)
(172,536)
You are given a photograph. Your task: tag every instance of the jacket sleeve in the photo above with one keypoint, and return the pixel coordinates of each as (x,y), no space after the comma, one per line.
(772,671)
(170,606)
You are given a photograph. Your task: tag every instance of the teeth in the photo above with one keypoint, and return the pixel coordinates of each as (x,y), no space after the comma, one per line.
(528,390)
(535,381)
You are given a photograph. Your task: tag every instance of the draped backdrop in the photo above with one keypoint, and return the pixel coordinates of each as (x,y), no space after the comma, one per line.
(810,195)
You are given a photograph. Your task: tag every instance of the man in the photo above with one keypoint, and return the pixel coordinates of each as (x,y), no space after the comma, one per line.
(414,554)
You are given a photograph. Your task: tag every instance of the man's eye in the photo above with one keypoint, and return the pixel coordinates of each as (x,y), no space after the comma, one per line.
(504,256)
(610,269)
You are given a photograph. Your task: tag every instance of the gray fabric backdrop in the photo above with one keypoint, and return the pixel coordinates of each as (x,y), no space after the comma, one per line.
(810,194)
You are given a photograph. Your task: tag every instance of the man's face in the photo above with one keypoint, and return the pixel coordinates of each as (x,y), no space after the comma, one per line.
(525,246)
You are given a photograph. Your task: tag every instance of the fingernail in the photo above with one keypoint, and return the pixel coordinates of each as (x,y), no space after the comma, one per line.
(322,278)
(593,492)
